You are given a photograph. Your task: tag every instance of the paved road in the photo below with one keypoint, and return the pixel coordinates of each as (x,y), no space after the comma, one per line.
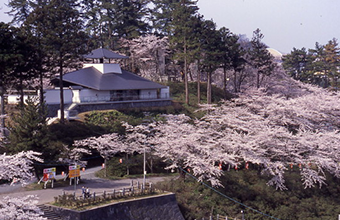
(89,180)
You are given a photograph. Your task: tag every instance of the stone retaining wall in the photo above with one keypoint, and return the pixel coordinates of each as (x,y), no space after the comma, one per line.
(155,208)
(84,107)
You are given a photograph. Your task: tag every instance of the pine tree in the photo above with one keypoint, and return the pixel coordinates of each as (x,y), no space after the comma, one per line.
(130,18)
(319,67)
(332,58)
(213,49)
(26,62)
(62,38)
(260,57)
(28,129)
(161,16)
(297,64)
(7,62)
(107,21)
(20,10)
(182,36)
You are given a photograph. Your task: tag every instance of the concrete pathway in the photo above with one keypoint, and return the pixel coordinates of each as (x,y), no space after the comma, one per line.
(89,180)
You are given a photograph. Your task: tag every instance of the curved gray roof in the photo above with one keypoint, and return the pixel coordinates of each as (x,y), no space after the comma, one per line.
(104,53)
(92,78)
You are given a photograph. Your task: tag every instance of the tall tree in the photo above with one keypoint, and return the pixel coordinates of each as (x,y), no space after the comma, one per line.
(108,20)
(232,58)
(7,63)
(319,67)
(161,16)
(27,61)
(213,50)
(332,58)
(20,10)
(130,18)
(261,59)
(61,30)
(182,37)
(297,64)
(34,26)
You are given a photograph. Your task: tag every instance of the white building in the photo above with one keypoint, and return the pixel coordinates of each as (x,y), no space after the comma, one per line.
(101,84)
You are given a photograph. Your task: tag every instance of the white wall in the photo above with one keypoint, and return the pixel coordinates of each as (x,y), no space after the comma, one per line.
(165,93)
(88,95)
(148,94)
(15,99)
(105,67)
(76,96)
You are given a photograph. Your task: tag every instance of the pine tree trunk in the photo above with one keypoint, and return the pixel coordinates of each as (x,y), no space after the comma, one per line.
(62,115)
(209,88)
(235,81)
(225,82)
(41,88)
(198,84)
(186,75)
(258,79)
(2,110)
(21,89)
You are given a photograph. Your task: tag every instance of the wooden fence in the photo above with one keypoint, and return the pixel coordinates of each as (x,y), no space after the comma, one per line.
(72,200)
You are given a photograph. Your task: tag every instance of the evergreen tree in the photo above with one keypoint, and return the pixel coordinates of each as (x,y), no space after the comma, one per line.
(232,58)
(94,22)
(319,66)
(213,50)
(238,62)
(297,64)
(182,37)
(332,58)
(109,20)
(24,68)
(20,10)
(130,18)
(161,16)
(62,38)
(8,59)
(260,57)
(28,128)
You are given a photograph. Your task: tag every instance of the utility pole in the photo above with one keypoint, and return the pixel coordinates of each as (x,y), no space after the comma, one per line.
(144,170)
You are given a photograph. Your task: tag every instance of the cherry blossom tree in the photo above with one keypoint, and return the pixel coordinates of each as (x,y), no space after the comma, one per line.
(20,208)
(186,146)
(107,145)
(74,156)
(275,132)
(271,130)
(148,54)
(18,167)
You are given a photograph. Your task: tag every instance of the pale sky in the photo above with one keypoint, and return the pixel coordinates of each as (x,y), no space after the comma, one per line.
(284,23)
